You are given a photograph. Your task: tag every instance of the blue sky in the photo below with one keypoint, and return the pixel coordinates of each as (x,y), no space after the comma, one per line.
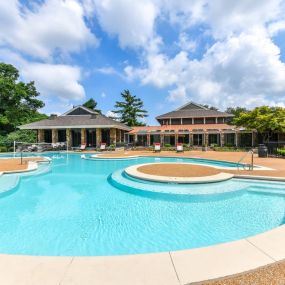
(220,52)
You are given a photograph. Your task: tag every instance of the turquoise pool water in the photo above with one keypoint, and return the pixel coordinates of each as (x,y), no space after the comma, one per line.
(74,209)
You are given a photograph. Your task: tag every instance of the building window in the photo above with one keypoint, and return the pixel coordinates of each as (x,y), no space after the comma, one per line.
(214,139)
(106,136)
(175,121)
(187,121)
(221,120)
(76,137)
(142,140)
(245,139)
(169,140)
(210,120)
(61,135)
(199,121)
(154,139)
(91,137)
(197,139)
(48,136)
(183,139)
(229,139)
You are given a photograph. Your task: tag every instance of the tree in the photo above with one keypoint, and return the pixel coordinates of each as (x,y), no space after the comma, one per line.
(210,107)
(236,111)
(130,110)
(92,104)
(265,120)
(18,100)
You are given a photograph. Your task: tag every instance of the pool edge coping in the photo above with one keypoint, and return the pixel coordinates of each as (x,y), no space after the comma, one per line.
(190,265)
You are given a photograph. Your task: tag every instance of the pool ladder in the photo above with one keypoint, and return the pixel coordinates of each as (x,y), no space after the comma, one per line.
(246,166)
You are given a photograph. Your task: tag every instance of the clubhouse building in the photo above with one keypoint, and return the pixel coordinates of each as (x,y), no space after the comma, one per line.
(194,125)
(191,124)
(79,126)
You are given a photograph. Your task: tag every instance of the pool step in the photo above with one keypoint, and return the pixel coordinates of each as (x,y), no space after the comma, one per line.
(121,181)
(42,169)
(267,190)
(8,183)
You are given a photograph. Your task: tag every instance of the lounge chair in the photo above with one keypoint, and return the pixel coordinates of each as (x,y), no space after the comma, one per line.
(179,147)
(81,148)
(102,146)
(157,147)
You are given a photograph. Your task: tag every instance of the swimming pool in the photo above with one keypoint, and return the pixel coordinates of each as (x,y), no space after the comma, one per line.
(74,210)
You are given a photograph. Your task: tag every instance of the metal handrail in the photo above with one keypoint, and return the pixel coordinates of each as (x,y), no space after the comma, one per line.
(250,166)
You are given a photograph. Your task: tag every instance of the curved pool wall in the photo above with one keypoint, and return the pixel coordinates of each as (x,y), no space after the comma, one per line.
(74,210)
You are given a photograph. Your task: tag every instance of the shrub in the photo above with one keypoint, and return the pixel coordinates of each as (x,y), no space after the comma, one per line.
(3,149)
(281,151)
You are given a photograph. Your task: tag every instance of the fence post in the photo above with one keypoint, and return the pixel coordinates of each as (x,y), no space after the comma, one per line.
(14,149)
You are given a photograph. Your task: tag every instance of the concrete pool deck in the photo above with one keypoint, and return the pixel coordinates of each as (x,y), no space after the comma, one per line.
(167,268)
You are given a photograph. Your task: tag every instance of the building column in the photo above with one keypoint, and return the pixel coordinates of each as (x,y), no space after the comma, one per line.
(54,136)
(176,139)
(113,136)
(68,138)
(41,136)
(118,135)
(206,139)
(253,139)
(162,140)
(148,139)
(191,139)
(237,139)
(222,139)
(98,137)
(83,136)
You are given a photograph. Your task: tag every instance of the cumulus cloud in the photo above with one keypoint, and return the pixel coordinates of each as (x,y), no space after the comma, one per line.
(54,81)
(241,66)
(131,21)
(48,28)
(230,72)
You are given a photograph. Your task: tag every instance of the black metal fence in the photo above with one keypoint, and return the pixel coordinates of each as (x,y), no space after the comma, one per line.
(273,146)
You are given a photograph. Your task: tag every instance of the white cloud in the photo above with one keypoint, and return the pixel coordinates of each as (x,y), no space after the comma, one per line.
(112,115)
(229,16)
(276,27)
(52,27)
(57,80)
(54,81)
(131,21)
(242,70)
(103,95)
(185,43)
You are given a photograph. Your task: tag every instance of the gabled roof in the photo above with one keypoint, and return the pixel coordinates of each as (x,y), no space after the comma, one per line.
(85,118)
(192,106)
(83,109)
(193,110)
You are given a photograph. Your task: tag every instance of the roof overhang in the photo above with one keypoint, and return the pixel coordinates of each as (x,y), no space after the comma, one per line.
(75,127)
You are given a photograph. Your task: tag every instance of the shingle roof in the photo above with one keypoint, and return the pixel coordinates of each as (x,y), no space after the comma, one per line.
(76,121)
(192,110)
(194,113)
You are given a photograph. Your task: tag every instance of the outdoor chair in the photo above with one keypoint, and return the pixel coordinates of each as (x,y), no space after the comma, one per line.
(102,147)
(179,147)
(81,148)
(157,147)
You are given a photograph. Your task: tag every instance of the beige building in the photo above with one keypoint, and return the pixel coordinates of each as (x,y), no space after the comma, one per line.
(194,125)
(78,126)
